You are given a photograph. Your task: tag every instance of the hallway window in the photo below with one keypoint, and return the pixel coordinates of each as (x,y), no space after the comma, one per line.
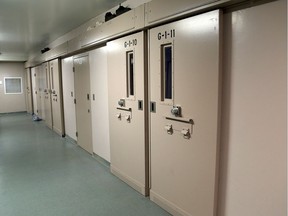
(13,85)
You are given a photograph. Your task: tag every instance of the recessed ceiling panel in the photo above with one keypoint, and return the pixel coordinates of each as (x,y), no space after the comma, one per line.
(29,25)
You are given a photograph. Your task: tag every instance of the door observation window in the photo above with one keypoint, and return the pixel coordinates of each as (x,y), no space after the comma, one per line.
(130,74)
(166,72)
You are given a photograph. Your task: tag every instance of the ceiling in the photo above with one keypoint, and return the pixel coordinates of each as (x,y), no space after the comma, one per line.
(27,26)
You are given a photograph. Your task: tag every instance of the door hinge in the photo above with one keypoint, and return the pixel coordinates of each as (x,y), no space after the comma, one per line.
(74,101)
(73,69)
(76,134)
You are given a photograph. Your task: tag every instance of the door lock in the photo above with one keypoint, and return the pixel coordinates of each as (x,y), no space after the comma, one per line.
(176,111)
(121,102)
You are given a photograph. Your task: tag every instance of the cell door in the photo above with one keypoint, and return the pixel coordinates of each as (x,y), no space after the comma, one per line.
(39,91)
(47,97)
(56,95)
(127,110)
(83,103)
(34,90)
(42,88)
(29,104)
(184,95)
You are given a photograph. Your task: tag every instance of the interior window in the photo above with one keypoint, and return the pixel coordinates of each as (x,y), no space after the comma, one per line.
(13,85)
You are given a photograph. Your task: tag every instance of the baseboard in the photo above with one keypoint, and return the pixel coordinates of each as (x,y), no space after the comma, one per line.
(59,132)
(101,160)
(13,113)
(131,182)
(71,140)
(168,206)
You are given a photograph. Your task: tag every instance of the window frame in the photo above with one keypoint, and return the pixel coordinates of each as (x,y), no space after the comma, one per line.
(128,77)
(164,100)
(15,93)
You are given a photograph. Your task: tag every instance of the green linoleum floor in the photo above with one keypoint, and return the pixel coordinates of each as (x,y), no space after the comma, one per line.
(43,174)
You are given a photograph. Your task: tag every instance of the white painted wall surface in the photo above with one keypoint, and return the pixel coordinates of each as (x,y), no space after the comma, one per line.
(99,106)
(68,97)
(253,146)
(12,102)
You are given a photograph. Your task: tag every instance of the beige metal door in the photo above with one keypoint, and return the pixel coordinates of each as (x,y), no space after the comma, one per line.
(126,110)
(83,103)
(34,90)
(42,88)
(40,92)
(184,79)
(47,97)
(29,105)
(37,90)
(56,95)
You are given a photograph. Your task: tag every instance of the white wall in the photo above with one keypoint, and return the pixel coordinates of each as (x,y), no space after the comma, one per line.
(253,146)
(68,97)
(99,106)
(12,102)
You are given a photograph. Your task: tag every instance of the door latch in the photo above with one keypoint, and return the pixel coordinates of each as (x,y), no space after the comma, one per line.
(128,118)
(186,133)
(118,115)
(169,129)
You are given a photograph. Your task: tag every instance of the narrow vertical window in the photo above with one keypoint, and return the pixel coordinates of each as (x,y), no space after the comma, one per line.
(166,72)
(130,73)
(47,78)
(52,78)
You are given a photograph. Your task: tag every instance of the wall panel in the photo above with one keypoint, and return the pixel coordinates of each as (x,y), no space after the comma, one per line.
(253,152)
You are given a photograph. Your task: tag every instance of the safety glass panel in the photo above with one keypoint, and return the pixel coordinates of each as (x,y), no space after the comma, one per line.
(52,78)
(166,73)
(47,77)
(130,73)
(13,85)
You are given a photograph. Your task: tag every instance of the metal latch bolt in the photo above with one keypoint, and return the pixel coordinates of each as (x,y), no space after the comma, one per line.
(128,118)
(186,133)
(118,115)
(169,129)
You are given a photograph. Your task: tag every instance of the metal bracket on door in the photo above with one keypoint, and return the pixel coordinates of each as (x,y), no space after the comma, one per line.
(153,107)
(140,104)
